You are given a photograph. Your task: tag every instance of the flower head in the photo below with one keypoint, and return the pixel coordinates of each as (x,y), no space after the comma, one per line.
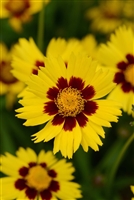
(20,11)
(67,98)
(9,85)
(27,59)
(118,55)
(108,15)
(37,177)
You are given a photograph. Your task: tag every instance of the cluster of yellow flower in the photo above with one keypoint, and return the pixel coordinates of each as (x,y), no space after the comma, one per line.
(75,89)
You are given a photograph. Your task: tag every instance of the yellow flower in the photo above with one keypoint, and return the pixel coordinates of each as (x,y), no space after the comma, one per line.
(20,11)
(132,189)
(9,85)
(27,54)
(27,59)
(108,15)
(67,97)
(31,176)
(118,55)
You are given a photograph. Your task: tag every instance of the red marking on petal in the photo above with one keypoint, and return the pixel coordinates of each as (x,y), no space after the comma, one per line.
(35,71)
(130,58)
(81,119)
(119,77)
(66,64)
(70,123)
(39,64)
(122,65)
(88,92)
(126,87)
(23,171)
(52,173)
(32,164)
(90,107)
(54,186)
(52,93)
(62,83)
(43,165)
(50,108)
(20,184)
(57,120)
(31,193)
(77,83)
(46,195)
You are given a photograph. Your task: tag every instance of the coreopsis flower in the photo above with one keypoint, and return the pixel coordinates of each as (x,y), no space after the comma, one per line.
(118,55)
(67,99)
(31,176)
(20,12)
(132,189)
(108,15)
(9,85)
(28,59)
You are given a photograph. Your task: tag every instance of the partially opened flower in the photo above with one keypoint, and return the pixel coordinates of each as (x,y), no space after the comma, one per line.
(67,98)
(9,85)
(20,12)
(31,176)
(118,55)
(132,189)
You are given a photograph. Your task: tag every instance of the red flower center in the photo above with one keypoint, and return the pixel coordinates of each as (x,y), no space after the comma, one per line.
(70,101)
(37,179)
(17,8)
(125,75)
(5,74)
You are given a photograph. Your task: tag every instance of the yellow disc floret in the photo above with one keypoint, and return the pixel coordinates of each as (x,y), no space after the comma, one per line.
(69,102)
(129,74)
(38,178)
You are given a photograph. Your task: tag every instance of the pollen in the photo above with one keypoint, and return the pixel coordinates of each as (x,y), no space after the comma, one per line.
(38,178)
(129,74)
(69,102)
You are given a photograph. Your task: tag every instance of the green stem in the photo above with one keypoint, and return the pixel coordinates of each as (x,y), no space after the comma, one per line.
(116,164)
(41,26)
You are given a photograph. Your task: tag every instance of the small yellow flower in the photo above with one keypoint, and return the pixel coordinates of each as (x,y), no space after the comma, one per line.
(9,85)
(67,97)
(118,55)
(108,15)
(37,177)
(20,11)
